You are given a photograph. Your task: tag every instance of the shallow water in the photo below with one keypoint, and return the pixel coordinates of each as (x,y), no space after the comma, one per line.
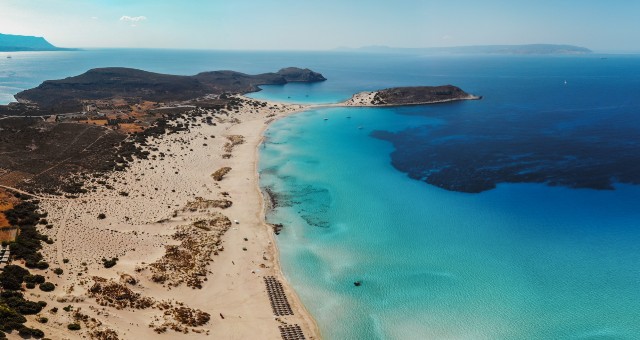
(520,261)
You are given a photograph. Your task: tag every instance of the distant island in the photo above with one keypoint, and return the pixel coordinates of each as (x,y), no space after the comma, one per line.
(481,49)
(21,43)
(411,95)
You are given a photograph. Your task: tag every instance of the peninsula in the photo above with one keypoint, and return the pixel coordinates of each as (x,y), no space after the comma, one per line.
(21,43)
(67,95)
(130,204)
(140,214)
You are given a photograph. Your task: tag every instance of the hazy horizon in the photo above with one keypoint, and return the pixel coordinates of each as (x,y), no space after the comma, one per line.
(293,25)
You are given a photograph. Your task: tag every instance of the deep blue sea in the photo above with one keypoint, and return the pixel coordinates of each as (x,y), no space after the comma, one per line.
(512,217)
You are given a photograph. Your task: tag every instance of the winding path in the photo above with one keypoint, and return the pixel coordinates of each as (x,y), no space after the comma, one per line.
(53,198)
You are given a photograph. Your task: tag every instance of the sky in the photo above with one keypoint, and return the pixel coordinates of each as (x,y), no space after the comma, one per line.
(606,26)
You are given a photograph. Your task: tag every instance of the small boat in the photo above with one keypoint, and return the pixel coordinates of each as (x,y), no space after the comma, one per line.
(9,57)
(349,117)
(565,82)
(326,119)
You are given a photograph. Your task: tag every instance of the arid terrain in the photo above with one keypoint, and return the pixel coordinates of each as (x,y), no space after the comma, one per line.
(147,220)
(140,216)
(167,223)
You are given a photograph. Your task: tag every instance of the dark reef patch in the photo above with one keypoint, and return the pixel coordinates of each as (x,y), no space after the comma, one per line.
(474,153)
(312,203)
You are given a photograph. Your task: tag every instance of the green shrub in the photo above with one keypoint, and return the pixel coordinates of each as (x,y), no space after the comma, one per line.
(11,325)
(13,302)
(34,278)
(12,276)
(36,333)
(73,326)
(23,214)
(10,319)
(25,332)
(109,263)
(16,271)
(42,265)
(47,287)
(43,320)
(58,271)
(10,283)
(26,307)
(28,242)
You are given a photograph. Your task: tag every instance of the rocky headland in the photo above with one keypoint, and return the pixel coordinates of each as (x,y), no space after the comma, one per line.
(20,43)
(67,95)
(413,95)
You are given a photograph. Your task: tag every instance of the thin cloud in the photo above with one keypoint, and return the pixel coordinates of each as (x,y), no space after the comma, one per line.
(133,20)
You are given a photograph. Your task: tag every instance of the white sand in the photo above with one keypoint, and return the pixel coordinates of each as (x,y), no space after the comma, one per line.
(360,99)
(137,228)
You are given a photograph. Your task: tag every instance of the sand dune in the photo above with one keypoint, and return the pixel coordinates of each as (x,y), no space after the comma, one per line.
(157,212)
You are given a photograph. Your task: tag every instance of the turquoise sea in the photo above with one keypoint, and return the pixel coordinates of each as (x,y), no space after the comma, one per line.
(403,199)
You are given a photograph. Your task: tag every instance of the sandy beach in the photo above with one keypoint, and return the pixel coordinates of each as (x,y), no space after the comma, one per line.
(191,252)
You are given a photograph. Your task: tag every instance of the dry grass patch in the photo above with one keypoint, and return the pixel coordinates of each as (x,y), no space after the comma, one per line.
(219,174)
(202,205)
(187,262)
(7,201)
(3,220)
(117,295)
(130,127)
(189,316)
(179,319)
(104,334)
(233,141)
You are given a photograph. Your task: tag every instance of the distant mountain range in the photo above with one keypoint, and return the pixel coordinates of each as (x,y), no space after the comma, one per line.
(483,49)
(15,43)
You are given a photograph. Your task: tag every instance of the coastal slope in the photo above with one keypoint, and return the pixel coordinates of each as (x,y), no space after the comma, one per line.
(111,82)
(145,217)
(19,43)
(153,250)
